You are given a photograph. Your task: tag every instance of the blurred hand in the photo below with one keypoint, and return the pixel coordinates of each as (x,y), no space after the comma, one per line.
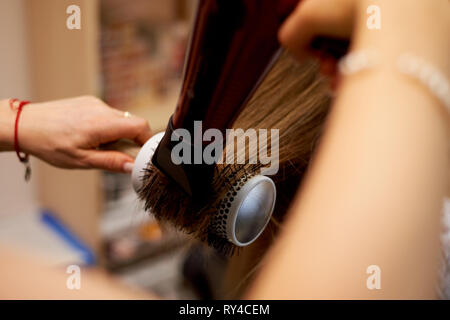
(313,18)
(404,24)
(67,133)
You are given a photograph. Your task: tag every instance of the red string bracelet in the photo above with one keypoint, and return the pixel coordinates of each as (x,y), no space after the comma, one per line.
(23,157)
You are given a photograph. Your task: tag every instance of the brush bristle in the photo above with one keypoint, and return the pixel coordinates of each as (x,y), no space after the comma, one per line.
(164,199)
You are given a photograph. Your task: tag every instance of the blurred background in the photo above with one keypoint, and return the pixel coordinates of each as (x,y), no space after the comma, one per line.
(129,53)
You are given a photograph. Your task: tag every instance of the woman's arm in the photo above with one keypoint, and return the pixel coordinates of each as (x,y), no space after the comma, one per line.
(374,192)
(23,277)
(6,127)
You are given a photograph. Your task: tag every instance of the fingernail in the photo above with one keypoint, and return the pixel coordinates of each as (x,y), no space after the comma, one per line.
(128,167)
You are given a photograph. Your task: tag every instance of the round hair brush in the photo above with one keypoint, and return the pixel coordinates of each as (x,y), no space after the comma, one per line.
(239,208)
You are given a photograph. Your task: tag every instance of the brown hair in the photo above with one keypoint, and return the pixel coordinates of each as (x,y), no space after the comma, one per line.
(294,99)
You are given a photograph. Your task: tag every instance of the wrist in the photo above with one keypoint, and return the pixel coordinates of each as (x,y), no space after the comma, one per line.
(7,118)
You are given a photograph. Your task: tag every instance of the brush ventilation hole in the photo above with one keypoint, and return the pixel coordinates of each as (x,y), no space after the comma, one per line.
(222,214)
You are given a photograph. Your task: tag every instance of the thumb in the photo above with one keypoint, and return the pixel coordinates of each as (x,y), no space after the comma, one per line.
(109,160)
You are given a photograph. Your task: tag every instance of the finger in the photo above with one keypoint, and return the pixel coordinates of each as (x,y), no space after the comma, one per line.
(134,128)
(328,66)
(114,161)
(312,18)
(140,130)
(144,133)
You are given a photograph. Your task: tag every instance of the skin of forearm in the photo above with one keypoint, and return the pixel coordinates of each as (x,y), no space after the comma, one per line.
(414,26)
(373,197)
(374,193)
(7,119)
(23,277)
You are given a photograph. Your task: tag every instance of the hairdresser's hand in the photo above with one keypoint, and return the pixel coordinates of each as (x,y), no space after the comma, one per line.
(403,26)
(67,133)
(313,18)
